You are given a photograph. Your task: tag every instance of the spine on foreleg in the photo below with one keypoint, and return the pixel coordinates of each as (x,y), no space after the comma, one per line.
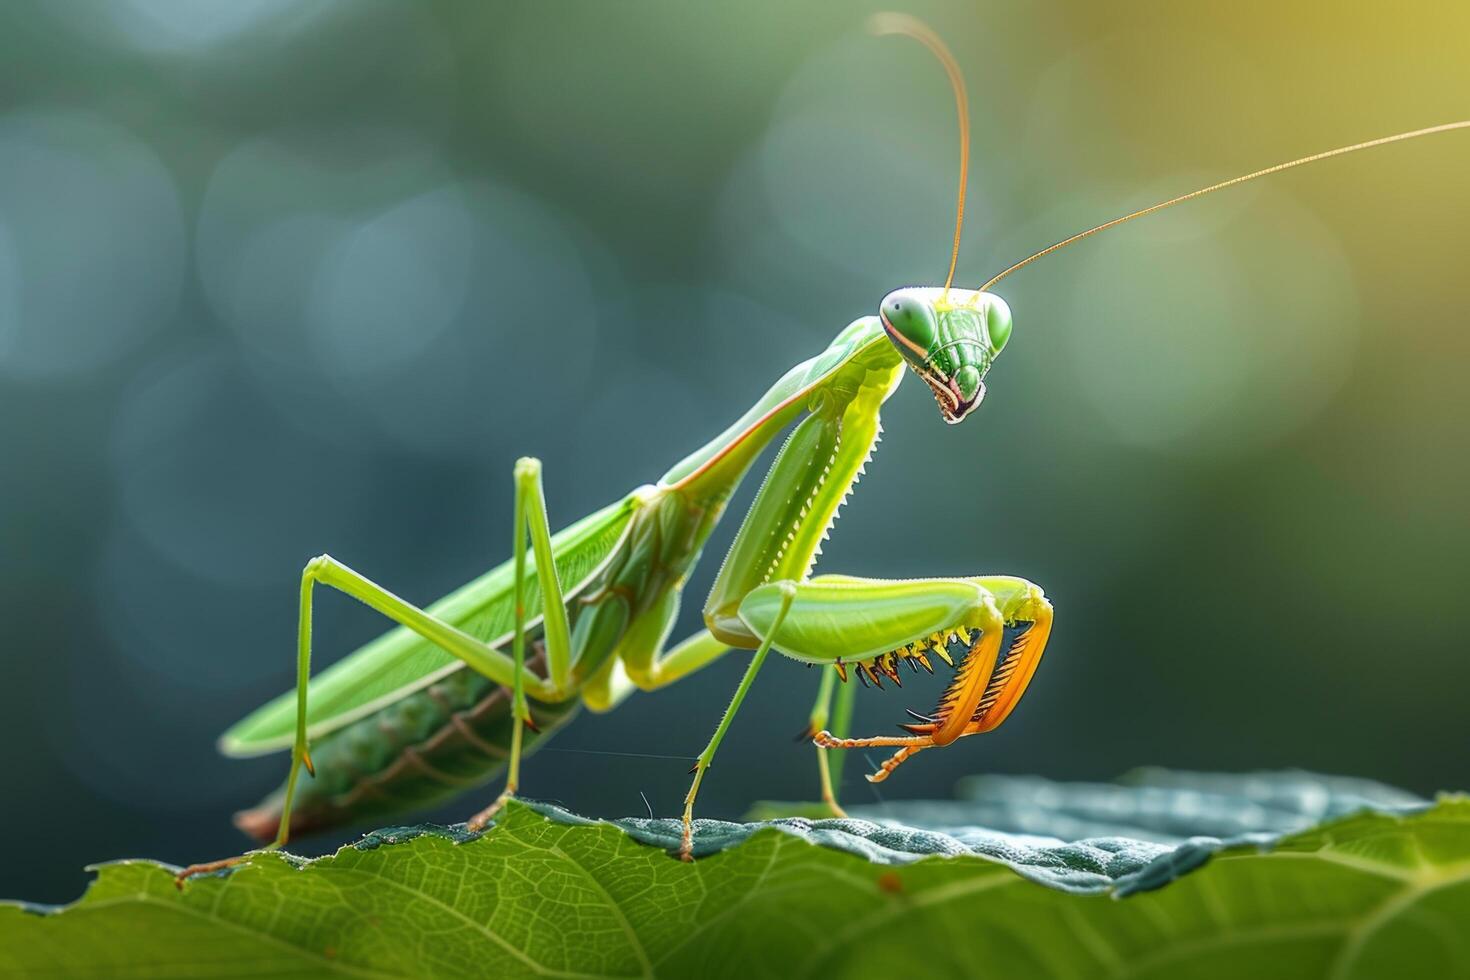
(418,752)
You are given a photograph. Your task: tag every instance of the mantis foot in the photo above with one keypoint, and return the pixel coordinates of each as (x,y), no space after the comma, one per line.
(482,819)
(686,842)
(207,867)
(908,746)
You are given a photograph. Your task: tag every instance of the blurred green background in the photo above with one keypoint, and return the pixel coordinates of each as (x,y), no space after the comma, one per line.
(281,278)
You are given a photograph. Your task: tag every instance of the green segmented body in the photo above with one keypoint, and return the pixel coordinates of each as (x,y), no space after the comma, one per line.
(418,752)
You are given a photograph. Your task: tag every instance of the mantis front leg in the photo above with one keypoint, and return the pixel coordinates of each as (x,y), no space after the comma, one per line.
(870,625)
(877,624)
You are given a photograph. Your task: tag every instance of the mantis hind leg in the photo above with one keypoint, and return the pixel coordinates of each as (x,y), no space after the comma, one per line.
(326,570)
(530,518)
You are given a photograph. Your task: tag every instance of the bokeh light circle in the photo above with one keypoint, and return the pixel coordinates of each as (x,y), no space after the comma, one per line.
(424,302)
(1198,339)
(94,254)
(184,26)
(859,166)
(195,440)
(386,288)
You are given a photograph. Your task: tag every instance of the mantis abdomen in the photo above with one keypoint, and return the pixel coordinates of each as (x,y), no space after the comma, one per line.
(424,750)
(429,743)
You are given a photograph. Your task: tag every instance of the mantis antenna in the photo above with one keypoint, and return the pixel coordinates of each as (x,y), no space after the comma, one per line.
(1382,140)
(891,23)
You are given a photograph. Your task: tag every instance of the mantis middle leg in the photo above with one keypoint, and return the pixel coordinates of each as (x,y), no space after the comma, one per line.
(781,535)
(829,771)
(640,666)
(530,519)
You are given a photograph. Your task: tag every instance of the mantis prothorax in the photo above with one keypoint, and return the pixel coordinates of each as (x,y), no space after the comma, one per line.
(440,703)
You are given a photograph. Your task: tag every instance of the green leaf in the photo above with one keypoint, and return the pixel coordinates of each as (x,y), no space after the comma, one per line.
(1374,893)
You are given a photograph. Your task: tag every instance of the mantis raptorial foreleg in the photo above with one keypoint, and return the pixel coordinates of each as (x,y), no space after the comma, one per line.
(910,621)
(870,625)
(984,692)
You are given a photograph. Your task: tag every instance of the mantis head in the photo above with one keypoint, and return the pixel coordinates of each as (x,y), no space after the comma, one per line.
(949,338)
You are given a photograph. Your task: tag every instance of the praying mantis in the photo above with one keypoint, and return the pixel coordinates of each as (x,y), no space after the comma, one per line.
(467,686)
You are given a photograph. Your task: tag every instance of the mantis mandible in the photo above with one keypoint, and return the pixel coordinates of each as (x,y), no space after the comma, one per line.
(443,701)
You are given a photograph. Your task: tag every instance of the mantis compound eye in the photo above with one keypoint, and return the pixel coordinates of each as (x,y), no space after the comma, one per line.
(997,322)
(910,322)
